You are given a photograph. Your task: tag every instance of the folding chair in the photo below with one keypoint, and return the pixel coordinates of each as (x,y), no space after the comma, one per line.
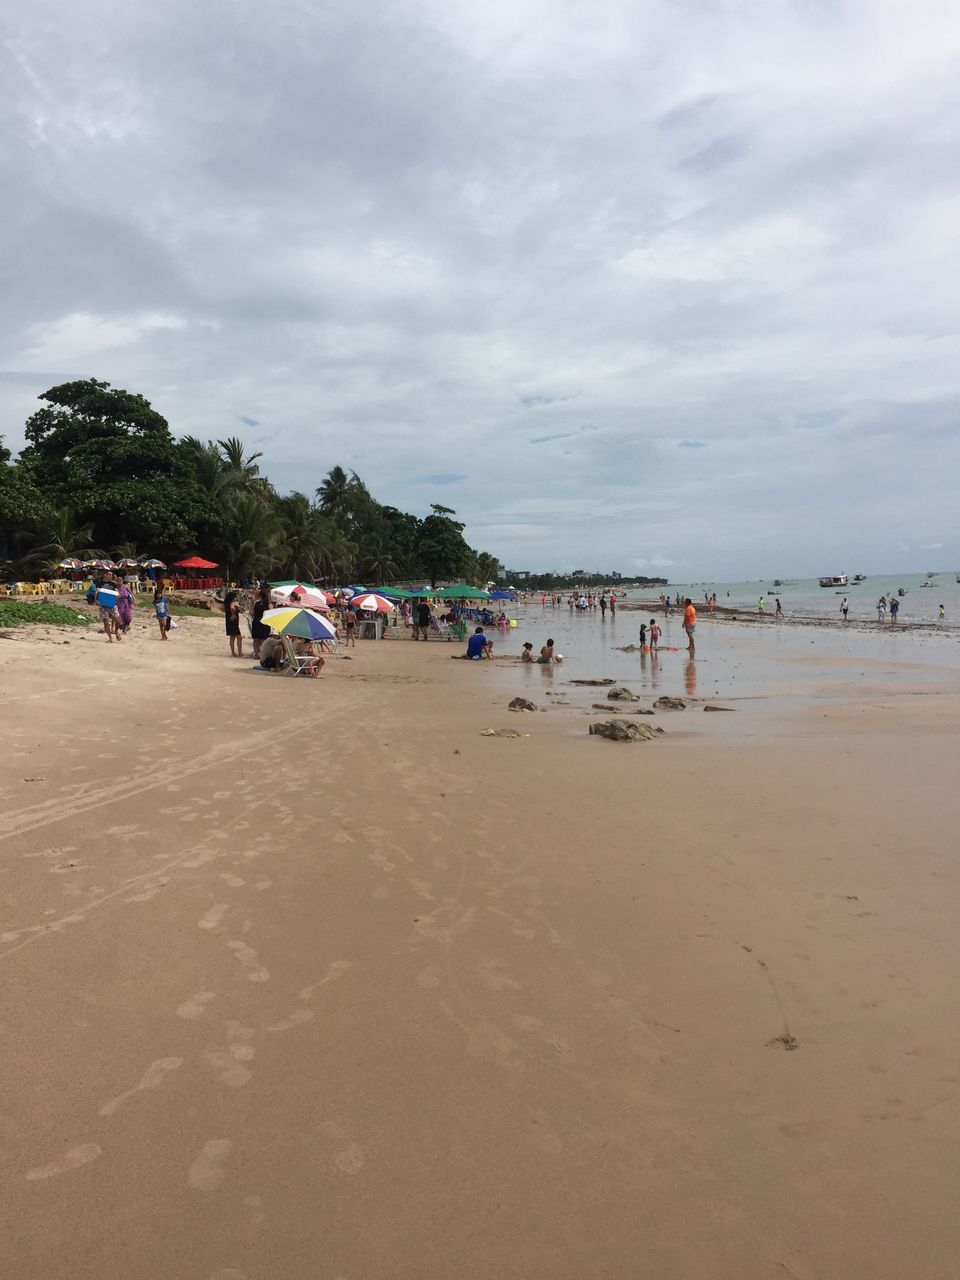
(301,664)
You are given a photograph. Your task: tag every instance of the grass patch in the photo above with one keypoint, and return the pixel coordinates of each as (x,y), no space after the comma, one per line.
(14,613)
(188,611)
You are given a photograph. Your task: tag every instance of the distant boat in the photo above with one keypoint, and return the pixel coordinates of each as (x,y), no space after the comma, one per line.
(859,577)
(958,577)
(840,580)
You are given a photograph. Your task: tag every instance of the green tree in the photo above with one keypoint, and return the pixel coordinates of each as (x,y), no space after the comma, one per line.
(442,548)
(109,457)
(378,563)
(304,538)
(247,536)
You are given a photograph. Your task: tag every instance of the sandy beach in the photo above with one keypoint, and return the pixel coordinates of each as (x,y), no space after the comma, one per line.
(311,980)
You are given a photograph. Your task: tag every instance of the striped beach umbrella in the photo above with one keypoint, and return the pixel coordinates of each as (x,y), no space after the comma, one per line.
(99,564)
(70,563)
(303,623)
(153,564)
(127,563)
(372,603)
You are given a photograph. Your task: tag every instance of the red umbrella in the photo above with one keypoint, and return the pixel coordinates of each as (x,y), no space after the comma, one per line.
(196,562)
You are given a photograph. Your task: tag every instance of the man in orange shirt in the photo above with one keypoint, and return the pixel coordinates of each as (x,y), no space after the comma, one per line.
(690,624)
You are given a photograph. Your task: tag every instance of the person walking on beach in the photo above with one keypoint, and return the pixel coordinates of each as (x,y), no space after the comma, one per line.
(162,611)
(881,608)
(231,618)
(106,599)
(761,607)
(844,608)
(943,614)
(779,610)
(613,605)
(654,635)
(125,608)
(603,606)
(894,608)
(690,624)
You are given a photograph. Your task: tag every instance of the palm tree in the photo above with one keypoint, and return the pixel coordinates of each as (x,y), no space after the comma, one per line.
(377,561)
(63,537)
(212,472)
(334,489)
(243,468)
(304,534)
(247,537)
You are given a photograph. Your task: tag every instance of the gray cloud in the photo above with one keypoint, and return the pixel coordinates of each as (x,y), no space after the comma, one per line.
(395,232)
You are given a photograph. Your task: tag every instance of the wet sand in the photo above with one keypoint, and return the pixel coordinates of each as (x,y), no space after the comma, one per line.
(311,980)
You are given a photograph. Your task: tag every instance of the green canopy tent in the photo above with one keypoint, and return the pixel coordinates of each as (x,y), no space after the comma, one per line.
(462,591)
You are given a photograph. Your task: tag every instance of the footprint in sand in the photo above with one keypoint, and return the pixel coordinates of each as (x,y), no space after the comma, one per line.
(235,882)
(152,1078)
(347,1155)
(193,1007)
(230,1066)
(211,918)
(75,1158)
(206,1173)
(250,961)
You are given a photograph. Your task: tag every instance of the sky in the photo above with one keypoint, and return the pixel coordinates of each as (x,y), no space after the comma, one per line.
(661,287)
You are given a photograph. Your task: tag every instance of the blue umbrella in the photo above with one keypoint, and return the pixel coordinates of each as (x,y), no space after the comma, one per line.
(503,595)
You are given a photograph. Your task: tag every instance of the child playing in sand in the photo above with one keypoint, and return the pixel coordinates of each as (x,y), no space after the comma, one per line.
(654,635)
(527,655)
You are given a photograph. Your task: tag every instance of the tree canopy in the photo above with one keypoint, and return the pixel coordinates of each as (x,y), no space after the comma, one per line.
(101,473)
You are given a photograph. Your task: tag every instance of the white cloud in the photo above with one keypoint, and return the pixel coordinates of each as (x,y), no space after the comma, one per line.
(539,245)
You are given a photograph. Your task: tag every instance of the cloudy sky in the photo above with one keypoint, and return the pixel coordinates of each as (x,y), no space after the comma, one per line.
(637,284)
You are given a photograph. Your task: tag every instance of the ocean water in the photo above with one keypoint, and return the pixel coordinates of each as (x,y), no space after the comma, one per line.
(746,664)
(805,597)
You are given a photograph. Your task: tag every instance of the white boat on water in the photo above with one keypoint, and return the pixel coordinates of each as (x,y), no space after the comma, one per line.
(841,580)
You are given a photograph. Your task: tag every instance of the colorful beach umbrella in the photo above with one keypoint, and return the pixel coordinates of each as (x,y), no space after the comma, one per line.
(373,603)
(127,563)
(153,564)
(99,564)
(303,623)
(70,563)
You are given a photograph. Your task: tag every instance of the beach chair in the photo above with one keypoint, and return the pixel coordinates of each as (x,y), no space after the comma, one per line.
(301,664)
(441,628)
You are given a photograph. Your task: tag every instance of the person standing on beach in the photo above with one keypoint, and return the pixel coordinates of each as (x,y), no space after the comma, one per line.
(643,636)
(231,617)
(761,607)
(881,608)
(689,624)
(894,608)
(350,624)
(943,614)
(613,605)
(654,635)
(844,608)
(421,620)
(603,606)
(258,628)
(779,610)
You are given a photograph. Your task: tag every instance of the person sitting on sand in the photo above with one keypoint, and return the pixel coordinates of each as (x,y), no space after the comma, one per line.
(271,652)
(478,646)
(547,654)
(527,654)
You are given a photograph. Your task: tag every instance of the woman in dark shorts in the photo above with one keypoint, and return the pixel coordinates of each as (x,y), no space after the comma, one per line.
(231,613)
(258,628)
